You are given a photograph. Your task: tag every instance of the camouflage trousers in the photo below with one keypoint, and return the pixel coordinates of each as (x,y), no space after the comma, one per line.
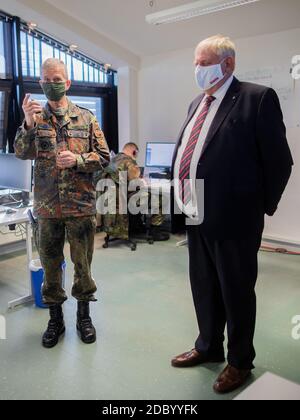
(80,232)
(117,224)
(158,218)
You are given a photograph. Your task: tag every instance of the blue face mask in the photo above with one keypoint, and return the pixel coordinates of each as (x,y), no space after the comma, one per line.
(209,76)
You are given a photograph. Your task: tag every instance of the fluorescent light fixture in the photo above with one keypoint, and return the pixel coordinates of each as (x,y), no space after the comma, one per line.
(190,10)
(32,25)
(73,47)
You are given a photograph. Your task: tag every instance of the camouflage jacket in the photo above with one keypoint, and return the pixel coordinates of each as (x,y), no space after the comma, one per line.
(122,163)
(69,192)
(117,224)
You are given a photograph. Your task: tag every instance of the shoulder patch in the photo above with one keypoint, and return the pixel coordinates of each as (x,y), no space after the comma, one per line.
(86,109)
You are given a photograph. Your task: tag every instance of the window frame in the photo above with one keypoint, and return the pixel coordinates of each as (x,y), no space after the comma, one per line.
(73,55)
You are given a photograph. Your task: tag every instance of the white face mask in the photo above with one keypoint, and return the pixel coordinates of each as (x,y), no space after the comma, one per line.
(209,76)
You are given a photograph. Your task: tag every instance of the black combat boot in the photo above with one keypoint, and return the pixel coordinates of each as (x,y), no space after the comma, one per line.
(85,328)
(56,327)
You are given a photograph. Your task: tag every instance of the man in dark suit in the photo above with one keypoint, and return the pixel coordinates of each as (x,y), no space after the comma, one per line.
(234,139)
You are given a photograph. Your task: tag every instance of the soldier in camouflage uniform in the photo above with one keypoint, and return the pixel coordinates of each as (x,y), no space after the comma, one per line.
(68,146)
(117,224)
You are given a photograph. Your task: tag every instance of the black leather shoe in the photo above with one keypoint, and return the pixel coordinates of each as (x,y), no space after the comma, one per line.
(56,327)
(85,328)
(194,358)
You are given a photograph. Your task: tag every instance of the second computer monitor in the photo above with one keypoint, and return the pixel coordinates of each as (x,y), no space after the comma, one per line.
(15,174)
(159,154)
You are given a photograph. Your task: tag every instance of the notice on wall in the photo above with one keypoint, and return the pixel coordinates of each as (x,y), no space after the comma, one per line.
(288,89)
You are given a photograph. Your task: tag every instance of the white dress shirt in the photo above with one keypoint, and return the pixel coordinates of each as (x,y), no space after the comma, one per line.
(191,208)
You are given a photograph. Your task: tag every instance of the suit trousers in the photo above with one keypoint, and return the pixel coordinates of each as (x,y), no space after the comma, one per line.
(223,275)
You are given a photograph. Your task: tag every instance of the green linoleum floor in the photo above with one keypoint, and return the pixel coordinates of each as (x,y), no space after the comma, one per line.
(144,317)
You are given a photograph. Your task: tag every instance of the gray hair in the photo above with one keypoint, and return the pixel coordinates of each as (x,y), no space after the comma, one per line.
(221,45)
(55,62)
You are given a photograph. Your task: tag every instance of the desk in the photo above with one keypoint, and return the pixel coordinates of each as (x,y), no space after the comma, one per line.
(20,217)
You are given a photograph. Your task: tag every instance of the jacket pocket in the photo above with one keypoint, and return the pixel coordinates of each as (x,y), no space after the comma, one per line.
(78,141)
(45,141)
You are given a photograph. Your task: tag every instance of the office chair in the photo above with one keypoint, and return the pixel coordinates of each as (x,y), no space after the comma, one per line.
(135,223)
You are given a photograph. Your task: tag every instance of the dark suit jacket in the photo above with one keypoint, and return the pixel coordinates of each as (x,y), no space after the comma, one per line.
(245,163)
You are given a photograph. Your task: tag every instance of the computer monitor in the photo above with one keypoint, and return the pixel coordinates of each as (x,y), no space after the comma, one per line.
(15,174)
(159,154)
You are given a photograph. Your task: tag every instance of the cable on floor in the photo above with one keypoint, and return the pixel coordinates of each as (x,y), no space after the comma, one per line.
(265,248)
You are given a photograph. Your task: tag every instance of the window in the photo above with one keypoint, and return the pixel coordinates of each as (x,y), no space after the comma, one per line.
(2,120)
(95,105)
(47,50)
(35,51)
(2,57)
(24,54)
(5,50)
(116,79)
(78,70)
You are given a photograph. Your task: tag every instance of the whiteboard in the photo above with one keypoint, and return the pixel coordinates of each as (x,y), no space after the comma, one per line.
(285,224)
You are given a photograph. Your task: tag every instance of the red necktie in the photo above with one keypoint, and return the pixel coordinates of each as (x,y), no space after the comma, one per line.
(186,160)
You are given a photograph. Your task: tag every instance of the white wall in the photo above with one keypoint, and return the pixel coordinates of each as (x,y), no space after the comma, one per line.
(167,86)
(127,105)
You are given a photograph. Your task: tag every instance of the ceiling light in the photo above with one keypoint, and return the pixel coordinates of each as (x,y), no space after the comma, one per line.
(73,47)
(107,67)
(31,26)
(190,10)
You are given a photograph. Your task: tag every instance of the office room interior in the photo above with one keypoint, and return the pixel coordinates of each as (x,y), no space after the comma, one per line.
(139,76)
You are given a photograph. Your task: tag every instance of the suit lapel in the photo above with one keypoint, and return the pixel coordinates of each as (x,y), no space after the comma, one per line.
(226,106)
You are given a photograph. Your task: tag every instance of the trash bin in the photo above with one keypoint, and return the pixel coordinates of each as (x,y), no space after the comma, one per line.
(37,278)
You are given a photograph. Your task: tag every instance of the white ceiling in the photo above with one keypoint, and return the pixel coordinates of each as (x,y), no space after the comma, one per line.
(123,21)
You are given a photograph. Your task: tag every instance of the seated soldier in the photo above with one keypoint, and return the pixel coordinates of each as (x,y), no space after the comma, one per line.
(126,162)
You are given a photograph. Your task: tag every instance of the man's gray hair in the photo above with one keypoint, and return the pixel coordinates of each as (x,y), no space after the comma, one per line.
(55,62)
(221,45)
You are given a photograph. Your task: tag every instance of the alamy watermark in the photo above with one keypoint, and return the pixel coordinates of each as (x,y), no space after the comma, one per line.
(296,328)
(2,328)
(138,197)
